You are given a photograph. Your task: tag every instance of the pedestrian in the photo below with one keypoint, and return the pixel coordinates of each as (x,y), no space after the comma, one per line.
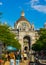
(17,56)
(12,61)
(12,55)
(7,56)
(25,56)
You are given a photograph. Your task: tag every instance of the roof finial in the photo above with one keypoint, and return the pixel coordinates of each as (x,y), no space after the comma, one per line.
(22,13)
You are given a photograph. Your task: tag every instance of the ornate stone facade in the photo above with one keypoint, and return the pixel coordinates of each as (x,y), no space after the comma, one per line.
(25,32)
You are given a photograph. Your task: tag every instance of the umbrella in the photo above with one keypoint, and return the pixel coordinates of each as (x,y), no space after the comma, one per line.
(10,48)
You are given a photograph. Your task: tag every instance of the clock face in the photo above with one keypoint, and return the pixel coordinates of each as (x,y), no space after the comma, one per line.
(24,24)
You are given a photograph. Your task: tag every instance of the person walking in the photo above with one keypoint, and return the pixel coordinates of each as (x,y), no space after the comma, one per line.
(12,60)
(25,56)
(18,57)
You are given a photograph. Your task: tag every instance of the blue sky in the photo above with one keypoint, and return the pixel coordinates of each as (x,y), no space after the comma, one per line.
(35,11)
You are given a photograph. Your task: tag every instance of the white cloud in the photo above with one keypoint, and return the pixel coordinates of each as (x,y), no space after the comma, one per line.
(34,4)
(1,3)
(40,8)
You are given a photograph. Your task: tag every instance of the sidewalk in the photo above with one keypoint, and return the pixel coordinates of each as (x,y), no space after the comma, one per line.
(7,63)
(22,63)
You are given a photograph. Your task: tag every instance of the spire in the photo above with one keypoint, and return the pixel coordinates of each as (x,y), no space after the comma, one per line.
(22,13)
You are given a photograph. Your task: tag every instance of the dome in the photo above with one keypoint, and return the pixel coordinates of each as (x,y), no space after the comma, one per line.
(22,18)
(22,23)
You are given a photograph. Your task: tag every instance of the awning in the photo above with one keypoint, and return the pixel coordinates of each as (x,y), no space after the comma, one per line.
(10,48)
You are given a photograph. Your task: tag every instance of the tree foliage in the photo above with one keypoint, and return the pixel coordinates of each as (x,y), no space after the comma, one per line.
(41,42)
(7,37)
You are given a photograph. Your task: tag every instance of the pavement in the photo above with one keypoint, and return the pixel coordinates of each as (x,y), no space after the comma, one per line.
(25,62)
(7,63)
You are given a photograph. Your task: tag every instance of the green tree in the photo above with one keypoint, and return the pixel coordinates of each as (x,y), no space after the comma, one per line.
(7,37)
(41,42)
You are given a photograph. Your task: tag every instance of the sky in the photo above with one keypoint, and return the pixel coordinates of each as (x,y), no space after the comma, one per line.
(35,11)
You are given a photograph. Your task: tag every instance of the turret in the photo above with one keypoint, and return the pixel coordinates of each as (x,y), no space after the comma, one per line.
(32,27)
(45,25)
(5,23)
